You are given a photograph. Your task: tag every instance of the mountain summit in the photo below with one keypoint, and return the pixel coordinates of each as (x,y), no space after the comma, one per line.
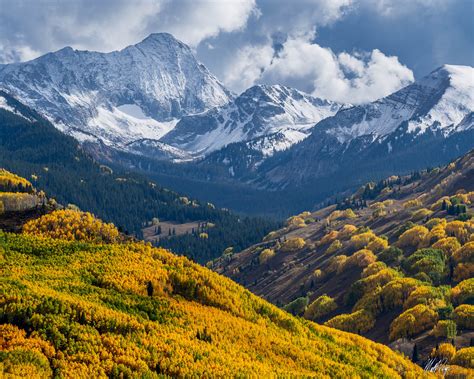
(116,97)
(260,111)
(438,101)
(426,123)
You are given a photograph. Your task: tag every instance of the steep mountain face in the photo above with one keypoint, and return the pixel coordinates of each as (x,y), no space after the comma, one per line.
(426,123)
(284,113)
(120,97)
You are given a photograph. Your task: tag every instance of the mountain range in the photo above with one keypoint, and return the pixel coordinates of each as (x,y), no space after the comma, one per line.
(147,138)
(426,123)
(118,97)
(153,107)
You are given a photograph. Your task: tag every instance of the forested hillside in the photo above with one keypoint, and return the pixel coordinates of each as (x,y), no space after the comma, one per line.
(55,163)
(394,262)
(78,299)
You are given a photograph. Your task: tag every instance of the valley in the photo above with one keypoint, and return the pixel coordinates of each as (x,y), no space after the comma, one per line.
(102,305)
(165,229)
(155,224)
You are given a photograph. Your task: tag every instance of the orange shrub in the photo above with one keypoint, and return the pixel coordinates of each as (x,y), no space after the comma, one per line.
(465,253)
(435,234)
(346,231)
(448,245)
(329,237)
(457,229)
(373,268)
(412,203)
(426,295)
(413,236)
(334,246)
(356,322)
(464,316)
(72,225)
(420,214)
(361,258)
(361,240)
(431,223)
(465,357)
(463,271)
(377,245)
(320,307)
(293,244)
(463,292)
(412,322)
(337,263)
(444,351)
(266,255)
(295,222)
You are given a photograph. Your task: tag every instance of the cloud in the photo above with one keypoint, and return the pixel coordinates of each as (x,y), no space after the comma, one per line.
(31,28)
(194,21)
(397,8)
(298,18)
(253,41)
(249,64)
(42,26)
(349,78)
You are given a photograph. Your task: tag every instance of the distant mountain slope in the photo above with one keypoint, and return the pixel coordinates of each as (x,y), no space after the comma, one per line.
(424,124)
(260,111)
(102,307)
(31,146)
(360,264)
(118,97)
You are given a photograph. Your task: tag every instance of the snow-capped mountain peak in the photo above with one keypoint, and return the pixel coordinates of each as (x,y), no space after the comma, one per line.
(81,92)
(439,100)
(427,123)
(261,110)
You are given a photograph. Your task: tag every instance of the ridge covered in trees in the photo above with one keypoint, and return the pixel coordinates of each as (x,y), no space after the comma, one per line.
(80,300)
(399,269)
(33,148)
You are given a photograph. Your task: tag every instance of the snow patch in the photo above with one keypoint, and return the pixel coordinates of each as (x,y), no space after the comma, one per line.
(4,105)
(133,110)
(117,128)
(260,111)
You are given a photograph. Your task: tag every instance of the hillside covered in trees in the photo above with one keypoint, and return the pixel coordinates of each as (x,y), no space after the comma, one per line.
(32,147)
(393,262)
(79,299)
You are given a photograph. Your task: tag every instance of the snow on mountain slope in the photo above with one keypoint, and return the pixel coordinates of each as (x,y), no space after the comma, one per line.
(260,111)
(454,104)
(118,97)
(424,124)
(8,105)
(439,101)
(152,148)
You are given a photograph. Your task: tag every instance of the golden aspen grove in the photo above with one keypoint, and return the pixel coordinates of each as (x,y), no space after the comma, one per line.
(79,301)
(403,277)
(236,189)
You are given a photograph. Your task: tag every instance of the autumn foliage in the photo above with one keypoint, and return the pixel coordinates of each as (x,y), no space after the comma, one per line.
(130,310)
(72,225)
